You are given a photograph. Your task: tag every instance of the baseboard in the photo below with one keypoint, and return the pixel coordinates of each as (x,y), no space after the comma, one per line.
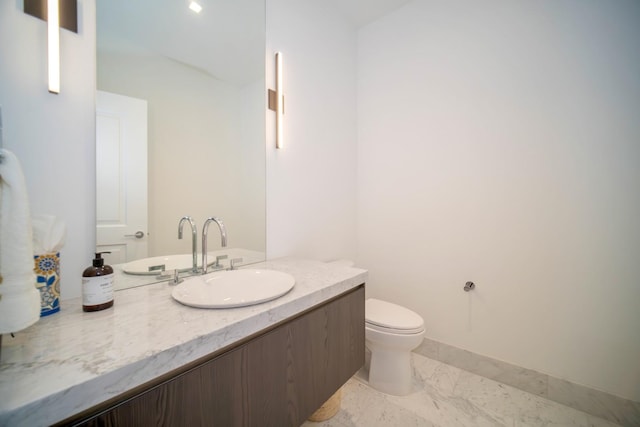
(598,403)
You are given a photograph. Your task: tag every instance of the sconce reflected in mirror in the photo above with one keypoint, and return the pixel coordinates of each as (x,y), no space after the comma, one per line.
(276,101)
(58,14)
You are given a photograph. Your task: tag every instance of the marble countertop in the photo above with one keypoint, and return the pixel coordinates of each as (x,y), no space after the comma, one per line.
(72,360)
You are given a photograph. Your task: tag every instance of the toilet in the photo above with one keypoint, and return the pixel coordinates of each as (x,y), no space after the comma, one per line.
(391,332)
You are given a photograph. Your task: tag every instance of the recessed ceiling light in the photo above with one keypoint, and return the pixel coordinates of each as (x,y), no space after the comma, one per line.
(195,7)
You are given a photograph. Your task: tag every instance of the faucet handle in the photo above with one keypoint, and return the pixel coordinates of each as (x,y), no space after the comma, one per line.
(219,258)
(233,261)
(174,276)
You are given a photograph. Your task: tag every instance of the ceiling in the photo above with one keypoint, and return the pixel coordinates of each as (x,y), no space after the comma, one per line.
(363,12)
(226,40)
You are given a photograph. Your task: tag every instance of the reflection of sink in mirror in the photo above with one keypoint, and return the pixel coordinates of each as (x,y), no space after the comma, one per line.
(234,288)
(155,265)
(184,262)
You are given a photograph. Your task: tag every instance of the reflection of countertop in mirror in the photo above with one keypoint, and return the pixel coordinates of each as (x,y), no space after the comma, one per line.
(72,360)
(124,280)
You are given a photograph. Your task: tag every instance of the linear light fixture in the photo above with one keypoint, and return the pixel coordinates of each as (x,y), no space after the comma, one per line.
(276,101)
(53,39)
(58,14)
(280,104)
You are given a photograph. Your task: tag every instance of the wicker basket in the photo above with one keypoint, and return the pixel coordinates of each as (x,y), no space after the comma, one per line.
(329,408)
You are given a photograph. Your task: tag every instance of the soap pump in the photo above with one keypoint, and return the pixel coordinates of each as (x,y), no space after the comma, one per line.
(97,285)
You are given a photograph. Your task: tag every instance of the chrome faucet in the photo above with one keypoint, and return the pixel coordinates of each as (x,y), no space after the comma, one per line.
(223,237)
(194,237)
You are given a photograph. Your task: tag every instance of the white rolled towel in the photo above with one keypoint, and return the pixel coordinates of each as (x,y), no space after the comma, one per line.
(19,298)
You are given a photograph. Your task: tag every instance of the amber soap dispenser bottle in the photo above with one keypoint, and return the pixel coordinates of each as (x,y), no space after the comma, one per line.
(97,285)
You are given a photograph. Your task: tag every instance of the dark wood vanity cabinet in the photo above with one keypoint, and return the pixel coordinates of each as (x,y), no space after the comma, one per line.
(277,378)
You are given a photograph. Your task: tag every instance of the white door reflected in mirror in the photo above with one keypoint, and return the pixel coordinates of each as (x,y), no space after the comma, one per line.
(121,177)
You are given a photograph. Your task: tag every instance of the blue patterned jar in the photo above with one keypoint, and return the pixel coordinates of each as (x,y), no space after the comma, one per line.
(47,269)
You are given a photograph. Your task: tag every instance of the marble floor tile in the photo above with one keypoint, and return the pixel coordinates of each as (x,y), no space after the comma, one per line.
(446,396)
(599,422)
(436,375)
(496,399)
(363,406)
(600,404)
(448,411)
(506,373)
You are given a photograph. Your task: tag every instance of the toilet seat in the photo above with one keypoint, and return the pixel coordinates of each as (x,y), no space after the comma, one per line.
(394,331)
(391,318)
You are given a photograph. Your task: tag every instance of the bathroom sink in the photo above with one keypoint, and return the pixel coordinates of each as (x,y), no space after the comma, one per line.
(234,288)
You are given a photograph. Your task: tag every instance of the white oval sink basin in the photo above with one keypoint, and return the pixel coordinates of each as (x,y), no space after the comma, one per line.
(236,288)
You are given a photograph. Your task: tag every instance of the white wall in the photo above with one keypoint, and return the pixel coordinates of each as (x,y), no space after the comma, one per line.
(250,187)
(204,135)
(311,181)
(499,142)
(53,135)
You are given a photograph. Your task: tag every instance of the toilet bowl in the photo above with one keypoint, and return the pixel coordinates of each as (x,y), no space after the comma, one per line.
(391,332)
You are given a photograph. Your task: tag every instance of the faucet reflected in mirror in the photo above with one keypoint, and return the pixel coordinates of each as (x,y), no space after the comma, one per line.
(223,239)
(194,238)
(160,268)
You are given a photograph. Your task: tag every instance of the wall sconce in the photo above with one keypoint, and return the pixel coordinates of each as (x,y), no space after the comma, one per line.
(58,14)
(53,42)
(276,101)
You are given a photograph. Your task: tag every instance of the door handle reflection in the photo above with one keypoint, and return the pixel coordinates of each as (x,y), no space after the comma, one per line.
(137,235)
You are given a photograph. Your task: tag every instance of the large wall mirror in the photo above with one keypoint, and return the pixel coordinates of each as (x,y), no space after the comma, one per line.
(180,121)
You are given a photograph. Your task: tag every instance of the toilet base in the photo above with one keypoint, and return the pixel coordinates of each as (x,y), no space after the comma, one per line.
(391,372)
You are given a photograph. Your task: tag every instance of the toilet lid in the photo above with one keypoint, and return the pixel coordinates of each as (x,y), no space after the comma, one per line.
(392,316)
